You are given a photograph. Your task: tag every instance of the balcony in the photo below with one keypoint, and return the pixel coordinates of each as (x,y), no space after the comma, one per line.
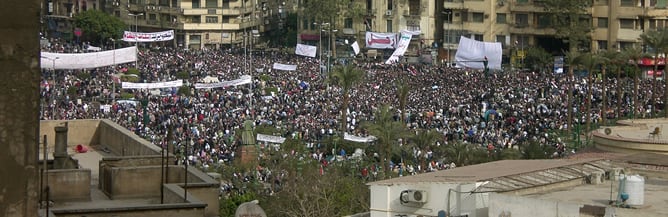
(453,4)
(526,7)
(530,29)
(226,11)
(234,25)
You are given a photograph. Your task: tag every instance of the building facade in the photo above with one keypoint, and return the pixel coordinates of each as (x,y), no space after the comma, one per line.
(518,24)
(378,16)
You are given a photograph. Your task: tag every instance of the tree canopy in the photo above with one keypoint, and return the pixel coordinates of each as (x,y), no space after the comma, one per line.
(98,26)
(570,20)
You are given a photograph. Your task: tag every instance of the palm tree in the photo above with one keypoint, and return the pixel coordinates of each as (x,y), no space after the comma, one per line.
(634,54)
(463,154)
(346,77)
(658,41)
(403,90)
(570,59)
(611,60)
(387,131)
(589,61)
(423,140)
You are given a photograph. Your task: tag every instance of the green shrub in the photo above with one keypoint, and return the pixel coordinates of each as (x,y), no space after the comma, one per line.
(183,75)
(132,71)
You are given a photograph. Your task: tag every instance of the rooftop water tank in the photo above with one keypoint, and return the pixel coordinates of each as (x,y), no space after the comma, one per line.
(635,188)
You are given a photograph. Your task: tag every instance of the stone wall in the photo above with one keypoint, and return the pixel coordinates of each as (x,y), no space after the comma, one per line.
(123,142)
(19,107)
(69,185)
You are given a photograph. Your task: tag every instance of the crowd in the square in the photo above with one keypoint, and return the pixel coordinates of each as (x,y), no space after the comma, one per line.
(495,111)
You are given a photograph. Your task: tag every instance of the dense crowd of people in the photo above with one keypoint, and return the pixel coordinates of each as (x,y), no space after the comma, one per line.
(496,111)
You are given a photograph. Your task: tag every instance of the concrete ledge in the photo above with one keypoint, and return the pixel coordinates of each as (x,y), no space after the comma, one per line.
(69,184)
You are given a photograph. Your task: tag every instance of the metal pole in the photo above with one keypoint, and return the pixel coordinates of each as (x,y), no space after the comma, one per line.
(185,187)
(44,179)
(320,48)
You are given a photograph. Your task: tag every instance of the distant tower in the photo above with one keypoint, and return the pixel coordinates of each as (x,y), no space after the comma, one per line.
(248,150)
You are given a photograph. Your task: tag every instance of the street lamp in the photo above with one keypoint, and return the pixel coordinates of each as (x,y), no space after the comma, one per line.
(329,48)
(320,44)
(136,30)
(53,98)
(254,34)
(448,15)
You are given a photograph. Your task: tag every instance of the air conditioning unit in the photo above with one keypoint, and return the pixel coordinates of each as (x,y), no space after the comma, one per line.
(414,196)
(388,13)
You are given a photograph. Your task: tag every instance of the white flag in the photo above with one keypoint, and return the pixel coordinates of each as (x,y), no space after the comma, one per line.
(306,50)
(356,47)
(403,46)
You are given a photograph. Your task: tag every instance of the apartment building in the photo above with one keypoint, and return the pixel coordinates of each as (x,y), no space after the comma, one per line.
(380,16)
(518,24)
(202,23)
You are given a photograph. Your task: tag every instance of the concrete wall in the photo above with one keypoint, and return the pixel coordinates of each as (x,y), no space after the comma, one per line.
(123,142)
(69,185)
(19,107)
(79,132)
(385,200)
(134,182)
(508,205)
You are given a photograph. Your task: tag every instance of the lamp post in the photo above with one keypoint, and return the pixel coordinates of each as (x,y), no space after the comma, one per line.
(448,13)
(329,49)
(254,34)
(53,98)
(136,30)
(320,25)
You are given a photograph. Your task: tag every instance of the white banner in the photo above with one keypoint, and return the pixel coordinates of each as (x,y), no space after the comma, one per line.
(88,60)
(471,53)
(270,138)
(245,79)
(285,67)
(148,36)
(306,50)
(381,40)
(157,85)
(356,47)
(405,39)
(353,138)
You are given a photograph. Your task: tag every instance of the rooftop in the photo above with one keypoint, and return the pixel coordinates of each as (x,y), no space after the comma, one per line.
(500,169)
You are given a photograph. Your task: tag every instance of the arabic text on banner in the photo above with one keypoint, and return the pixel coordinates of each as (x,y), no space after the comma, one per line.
(354,138)
(306,50)
(381,40)
(270,138)
(246,79)
(471,53)
(157,85)
(285,67)
(148,36)
(88,60)
(404,41)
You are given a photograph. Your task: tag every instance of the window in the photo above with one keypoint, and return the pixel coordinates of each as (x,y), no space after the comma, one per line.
(211,19)
(413,28)
(151,16)
(196,19)
(602,44)
(175,3)
(211,3)
(501,39)
(543,20)
(477,17)
(305,23)
(478,37)
(602,22)
(500,18)
(389,25)
(627,3)
(626,23)
(132,2)
(657,24)
(625,45)
(389,5)
(522,19)
(164,3)
(195,3)
(522,1)
(348,23)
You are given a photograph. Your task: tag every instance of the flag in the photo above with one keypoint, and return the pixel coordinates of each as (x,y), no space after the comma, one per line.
(306,50)
(356,47)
